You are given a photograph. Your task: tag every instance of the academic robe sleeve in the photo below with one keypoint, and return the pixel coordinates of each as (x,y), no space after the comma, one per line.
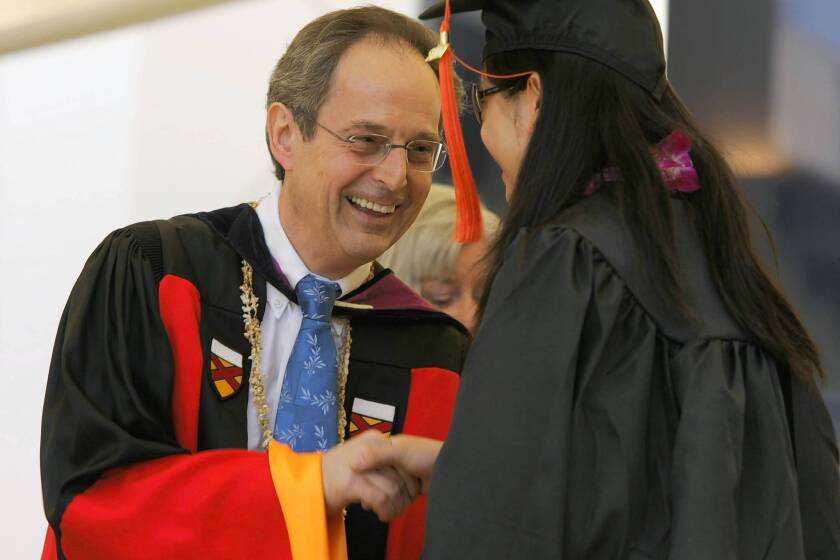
(118,478)
(817,465)
(500,482)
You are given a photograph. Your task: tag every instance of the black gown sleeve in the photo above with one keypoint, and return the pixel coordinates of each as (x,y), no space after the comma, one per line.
(500,484)
(108,393)
(815,445)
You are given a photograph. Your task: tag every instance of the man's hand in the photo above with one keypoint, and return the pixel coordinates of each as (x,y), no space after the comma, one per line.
(413,457)
(381,487)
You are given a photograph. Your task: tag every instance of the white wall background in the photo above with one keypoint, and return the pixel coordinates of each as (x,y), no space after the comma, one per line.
(140,123)
(661,9)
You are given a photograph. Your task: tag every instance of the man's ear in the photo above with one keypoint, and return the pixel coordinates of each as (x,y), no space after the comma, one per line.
(281,132)
(533,98)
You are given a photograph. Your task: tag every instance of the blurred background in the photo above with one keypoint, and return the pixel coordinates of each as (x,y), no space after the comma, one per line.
(115,111)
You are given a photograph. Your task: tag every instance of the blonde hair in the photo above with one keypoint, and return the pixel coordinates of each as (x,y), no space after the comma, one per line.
(427,248)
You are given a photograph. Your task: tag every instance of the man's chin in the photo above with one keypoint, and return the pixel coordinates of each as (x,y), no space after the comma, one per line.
(365,248)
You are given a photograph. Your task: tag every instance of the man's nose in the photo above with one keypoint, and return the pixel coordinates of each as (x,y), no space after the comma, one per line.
(393,171)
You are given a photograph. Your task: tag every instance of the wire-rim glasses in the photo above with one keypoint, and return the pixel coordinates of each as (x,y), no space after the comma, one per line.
(372,149)
(477,95)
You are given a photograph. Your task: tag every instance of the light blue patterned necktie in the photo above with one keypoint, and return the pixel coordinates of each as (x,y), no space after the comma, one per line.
(307,417)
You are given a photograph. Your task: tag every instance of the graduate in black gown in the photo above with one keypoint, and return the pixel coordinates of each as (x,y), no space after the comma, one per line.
(638,387)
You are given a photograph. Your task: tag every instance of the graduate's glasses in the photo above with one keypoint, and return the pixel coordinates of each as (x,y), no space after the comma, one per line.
(477,95)
(372,149)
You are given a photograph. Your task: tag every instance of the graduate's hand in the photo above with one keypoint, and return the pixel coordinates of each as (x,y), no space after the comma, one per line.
(414,457)
(381,489)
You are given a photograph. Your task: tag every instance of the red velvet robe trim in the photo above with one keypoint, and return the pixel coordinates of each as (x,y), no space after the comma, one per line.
(213,504)
(431,402)
(180,311)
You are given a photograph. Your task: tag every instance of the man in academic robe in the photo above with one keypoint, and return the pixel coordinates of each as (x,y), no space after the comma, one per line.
(207,368)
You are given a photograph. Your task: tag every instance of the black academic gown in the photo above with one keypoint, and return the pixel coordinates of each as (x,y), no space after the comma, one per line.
(595,423)
(144,435)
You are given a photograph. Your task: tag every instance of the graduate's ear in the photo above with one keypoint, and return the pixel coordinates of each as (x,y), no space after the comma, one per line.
(281,131)
(533,98)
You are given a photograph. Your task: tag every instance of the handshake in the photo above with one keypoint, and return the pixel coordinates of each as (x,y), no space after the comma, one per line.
(383,474)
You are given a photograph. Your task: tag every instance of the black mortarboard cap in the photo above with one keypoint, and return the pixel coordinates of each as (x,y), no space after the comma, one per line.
(621,34)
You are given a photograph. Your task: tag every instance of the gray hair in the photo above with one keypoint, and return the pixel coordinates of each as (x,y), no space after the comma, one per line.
(427,249)
(302,77)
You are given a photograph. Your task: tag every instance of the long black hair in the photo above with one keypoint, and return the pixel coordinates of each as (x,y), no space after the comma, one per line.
(591,117)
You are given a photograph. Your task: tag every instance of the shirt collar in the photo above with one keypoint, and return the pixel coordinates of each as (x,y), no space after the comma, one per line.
(284,253)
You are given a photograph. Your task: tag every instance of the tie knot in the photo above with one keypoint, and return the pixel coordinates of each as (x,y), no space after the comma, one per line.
(316,297)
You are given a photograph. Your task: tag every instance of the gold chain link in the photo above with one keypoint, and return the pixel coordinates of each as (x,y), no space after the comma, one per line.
(253,332)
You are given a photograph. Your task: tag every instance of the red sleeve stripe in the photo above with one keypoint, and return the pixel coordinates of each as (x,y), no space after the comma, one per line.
(431,401)
(209,505)
(49,552)
(180,311)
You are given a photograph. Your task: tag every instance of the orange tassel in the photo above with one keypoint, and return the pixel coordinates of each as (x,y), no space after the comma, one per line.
(468,222)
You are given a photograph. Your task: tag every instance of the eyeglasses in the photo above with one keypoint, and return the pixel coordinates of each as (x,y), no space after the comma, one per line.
(372,149)
(477,95)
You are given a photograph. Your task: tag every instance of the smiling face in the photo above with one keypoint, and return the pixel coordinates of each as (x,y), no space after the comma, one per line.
(337,213)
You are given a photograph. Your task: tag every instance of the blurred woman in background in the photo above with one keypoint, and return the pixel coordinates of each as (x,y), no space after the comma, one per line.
(448,275)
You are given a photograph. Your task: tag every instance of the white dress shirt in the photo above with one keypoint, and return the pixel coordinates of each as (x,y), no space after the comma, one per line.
(282,318)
